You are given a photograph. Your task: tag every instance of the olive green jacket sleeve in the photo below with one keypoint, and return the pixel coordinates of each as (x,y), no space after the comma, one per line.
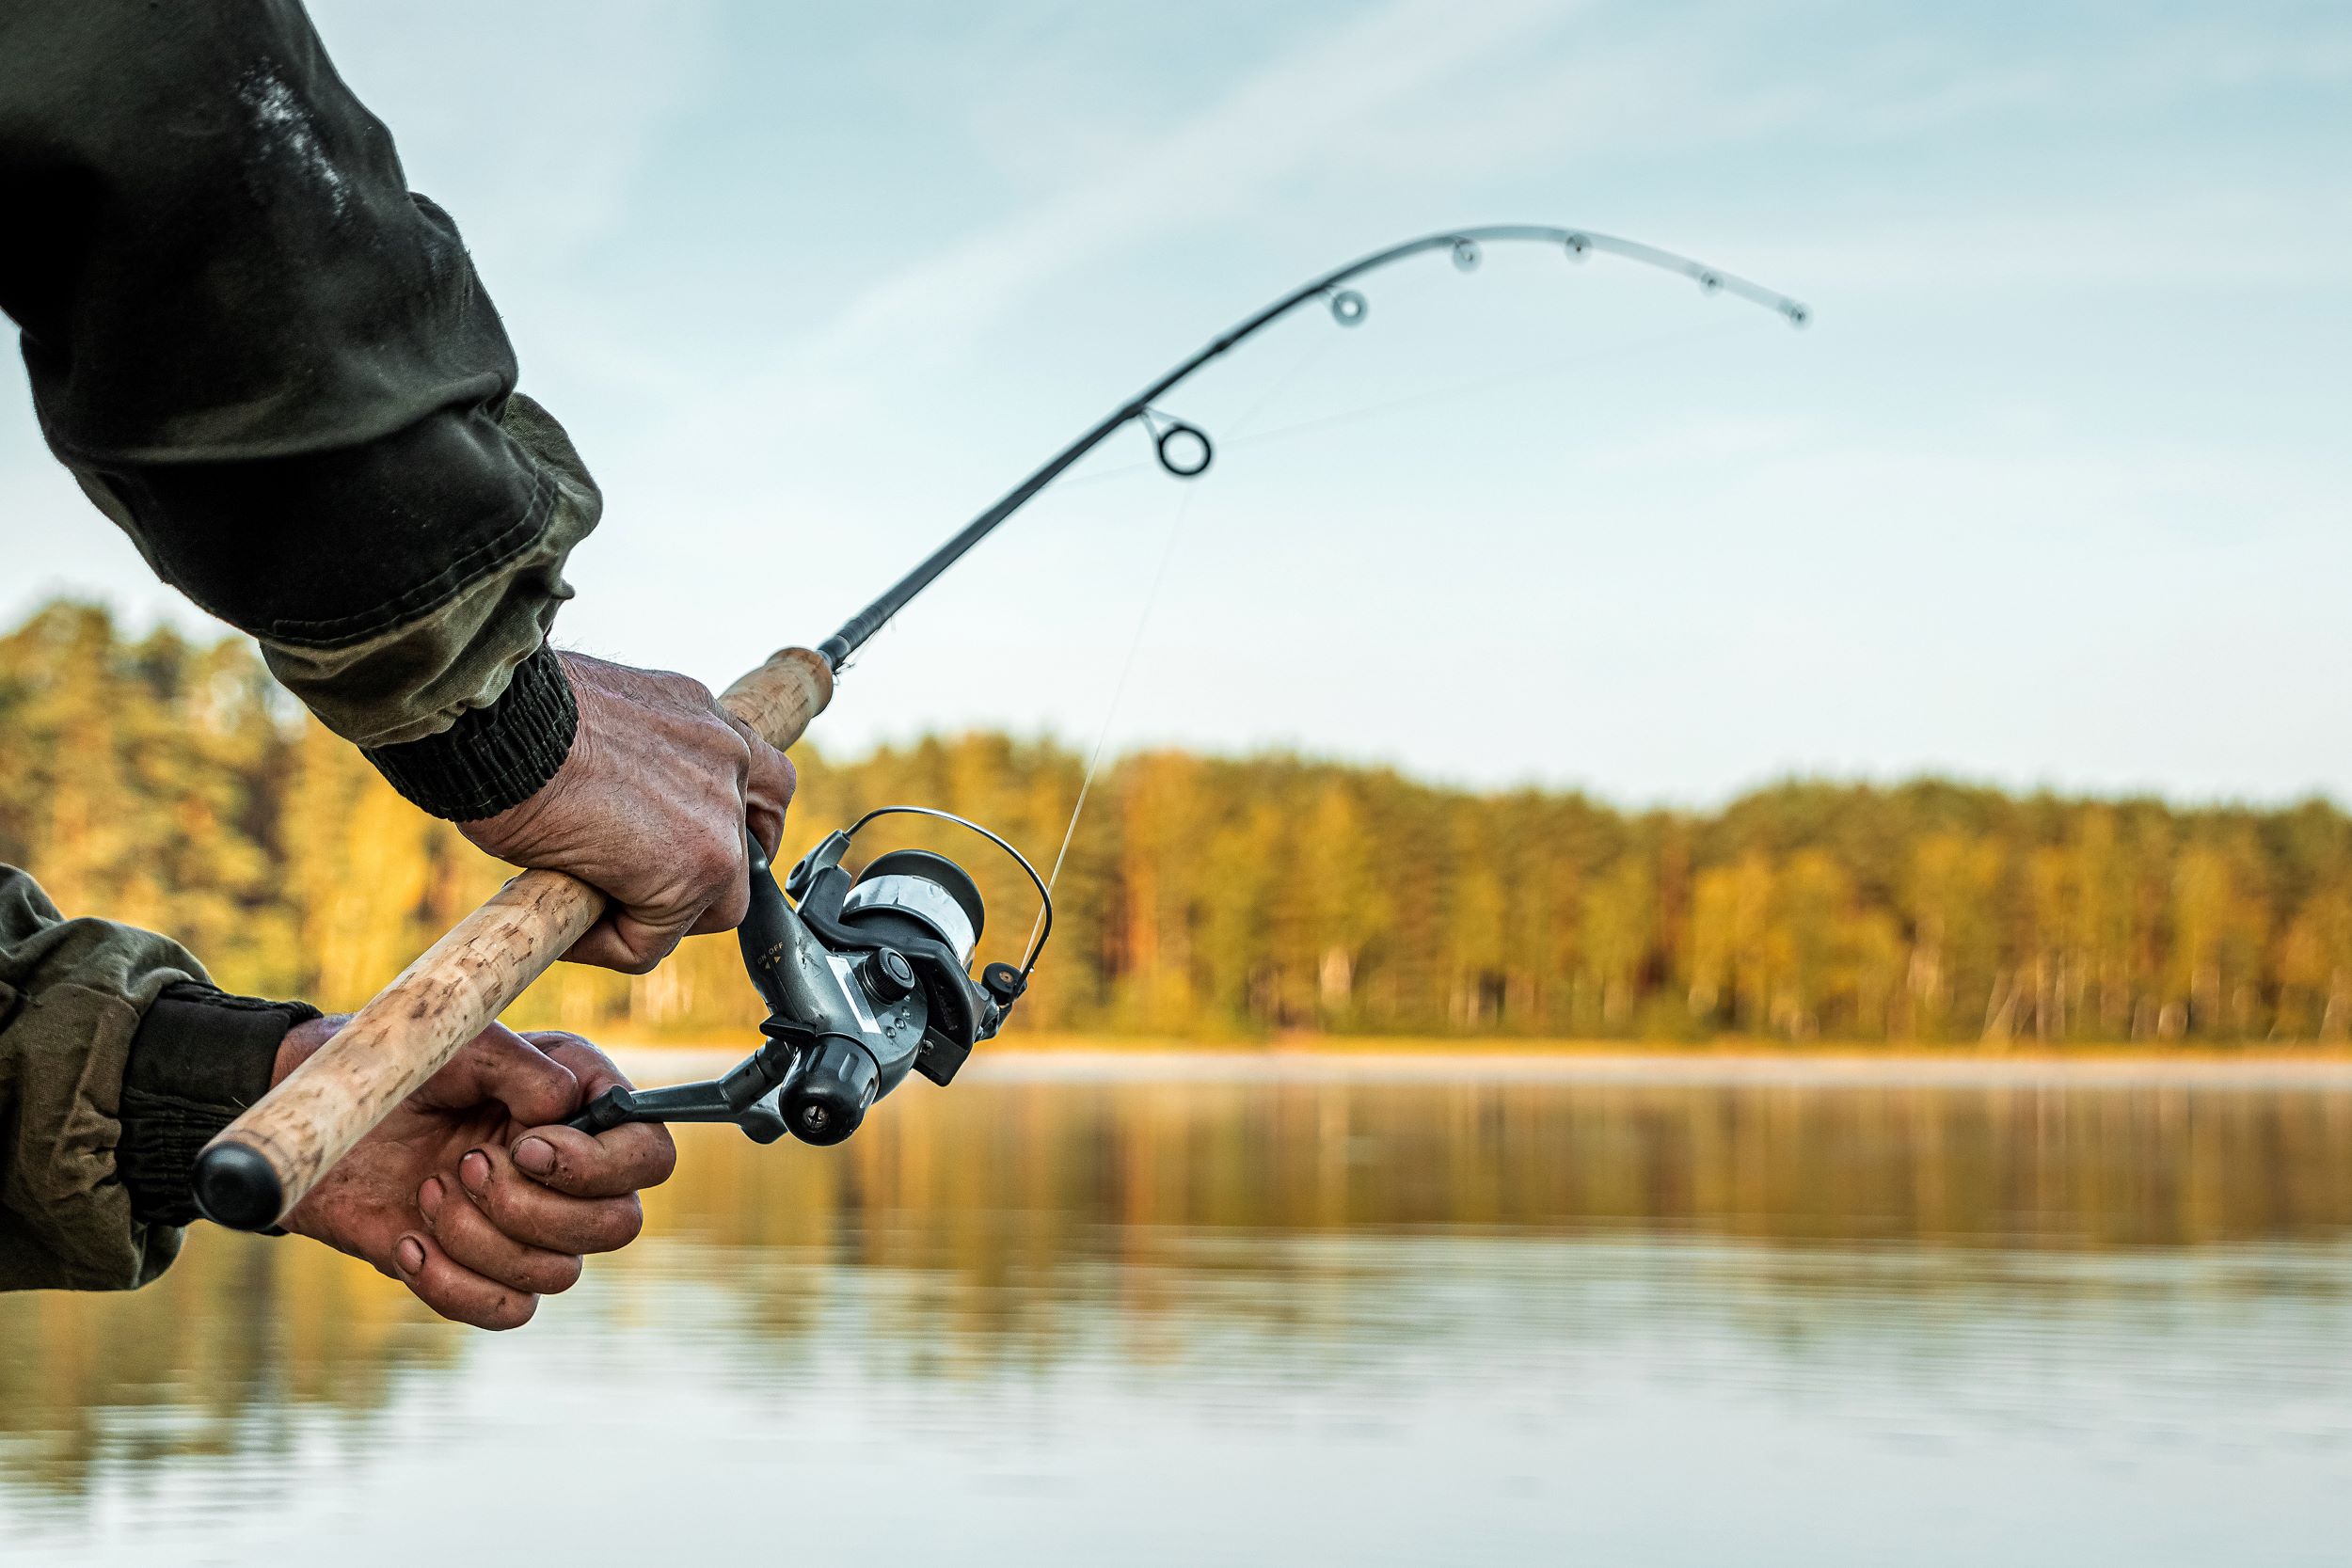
(275,367)
(71,995)
(117,1061)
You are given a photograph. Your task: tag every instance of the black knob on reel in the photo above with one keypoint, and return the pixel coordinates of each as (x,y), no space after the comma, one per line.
(825,1100)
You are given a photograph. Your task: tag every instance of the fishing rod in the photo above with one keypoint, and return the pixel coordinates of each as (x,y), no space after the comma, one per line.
(867,976)
(1184,450)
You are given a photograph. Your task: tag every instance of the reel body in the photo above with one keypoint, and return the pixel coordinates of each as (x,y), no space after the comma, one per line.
(866,980)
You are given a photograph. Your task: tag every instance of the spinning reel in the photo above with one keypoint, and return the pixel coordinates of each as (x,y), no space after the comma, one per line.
(863,979)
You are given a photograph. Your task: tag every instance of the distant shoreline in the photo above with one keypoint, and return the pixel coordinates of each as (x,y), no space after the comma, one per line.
(1058,1060)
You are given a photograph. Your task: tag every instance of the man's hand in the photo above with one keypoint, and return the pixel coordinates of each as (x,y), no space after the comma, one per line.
(470,1192)
(649,808)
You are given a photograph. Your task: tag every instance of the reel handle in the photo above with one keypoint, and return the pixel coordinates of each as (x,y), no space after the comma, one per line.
(268,1160)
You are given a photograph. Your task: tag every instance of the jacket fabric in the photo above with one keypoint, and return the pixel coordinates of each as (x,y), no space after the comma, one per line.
(118,1062)
(274,366)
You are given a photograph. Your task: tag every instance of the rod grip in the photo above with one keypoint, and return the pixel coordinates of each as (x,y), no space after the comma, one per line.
(267,1160)
(781,698)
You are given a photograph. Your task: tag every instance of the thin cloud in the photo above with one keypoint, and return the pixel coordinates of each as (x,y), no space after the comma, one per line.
(2170,237)
(1292,117)
(531,124)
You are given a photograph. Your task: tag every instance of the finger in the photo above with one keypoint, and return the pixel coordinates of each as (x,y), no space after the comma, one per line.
(542,1217)
(581,1056)
(470,1238)
(768,788)
(625,1159)
(453,1291)
(767,825)
(621,941)
(732,898)
(500,1065)
(712,893)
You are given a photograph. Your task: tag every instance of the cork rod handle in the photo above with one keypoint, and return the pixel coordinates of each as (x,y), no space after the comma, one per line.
(267,1160)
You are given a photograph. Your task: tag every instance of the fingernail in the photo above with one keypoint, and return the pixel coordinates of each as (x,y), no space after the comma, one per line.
(409,1254)
(535,1155)
(474,1170)
(429,1197)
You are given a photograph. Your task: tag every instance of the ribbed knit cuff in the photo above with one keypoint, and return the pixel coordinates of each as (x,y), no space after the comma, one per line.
(493,757)
(199,1057)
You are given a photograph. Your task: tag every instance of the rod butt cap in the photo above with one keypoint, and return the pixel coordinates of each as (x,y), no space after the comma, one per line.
(236,1187)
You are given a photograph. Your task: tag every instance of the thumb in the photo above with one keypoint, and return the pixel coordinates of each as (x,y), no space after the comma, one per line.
(500,1065)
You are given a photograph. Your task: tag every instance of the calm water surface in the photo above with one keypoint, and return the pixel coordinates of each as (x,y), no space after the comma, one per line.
(1188,1313)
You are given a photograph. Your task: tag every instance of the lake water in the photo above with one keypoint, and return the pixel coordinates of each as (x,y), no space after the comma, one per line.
(1184,1312)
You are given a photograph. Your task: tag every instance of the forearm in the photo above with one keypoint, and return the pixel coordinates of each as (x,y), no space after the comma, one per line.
(276,369)
(117,1062)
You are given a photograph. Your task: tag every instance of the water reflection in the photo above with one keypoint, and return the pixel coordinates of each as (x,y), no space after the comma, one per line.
(1459,1284)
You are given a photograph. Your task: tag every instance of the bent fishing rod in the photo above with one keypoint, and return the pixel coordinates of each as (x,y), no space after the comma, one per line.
(867,976)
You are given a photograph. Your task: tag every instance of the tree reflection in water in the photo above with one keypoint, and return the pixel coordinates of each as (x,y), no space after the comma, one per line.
(1005,1227)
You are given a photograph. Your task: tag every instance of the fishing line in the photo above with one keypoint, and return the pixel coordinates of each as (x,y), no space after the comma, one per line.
(1150,600)
(1184,493)
(1119,689)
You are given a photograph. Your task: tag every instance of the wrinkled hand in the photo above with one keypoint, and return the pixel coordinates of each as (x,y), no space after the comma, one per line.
(650,808)
(468,1192)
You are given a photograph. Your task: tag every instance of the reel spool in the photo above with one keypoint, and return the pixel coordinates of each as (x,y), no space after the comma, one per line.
(913,891)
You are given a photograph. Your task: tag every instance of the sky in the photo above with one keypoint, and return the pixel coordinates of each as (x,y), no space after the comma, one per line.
(2053,490)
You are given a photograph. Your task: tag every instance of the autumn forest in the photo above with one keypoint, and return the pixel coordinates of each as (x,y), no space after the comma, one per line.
(168,783)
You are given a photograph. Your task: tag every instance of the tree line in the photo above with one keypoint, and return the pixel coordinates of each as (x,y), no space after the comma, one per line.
(171,783)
